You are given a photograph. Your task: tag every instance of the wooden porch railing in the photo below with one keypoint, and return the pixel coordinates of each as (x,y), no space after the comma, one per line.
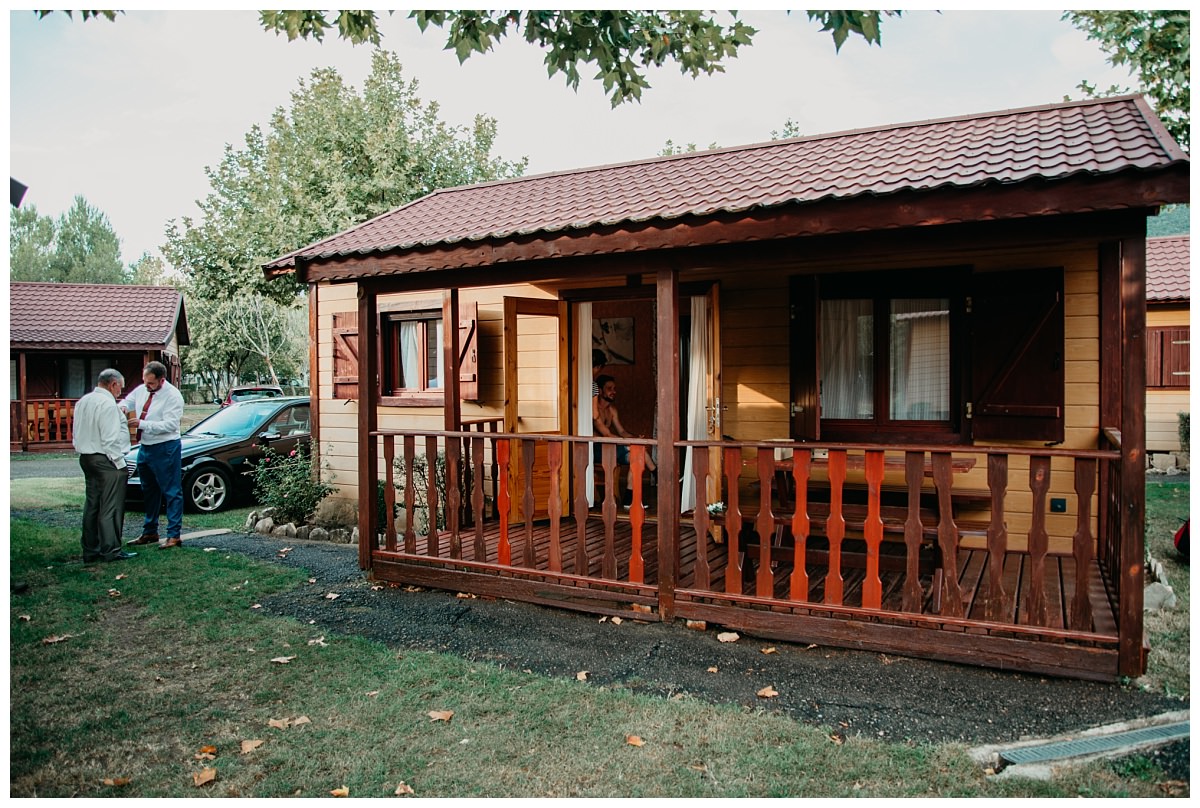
(45,421)
(904,536)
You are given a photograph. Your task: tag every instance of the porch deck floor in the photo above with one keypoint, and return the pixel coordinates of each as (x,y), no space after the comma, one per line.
(973,575)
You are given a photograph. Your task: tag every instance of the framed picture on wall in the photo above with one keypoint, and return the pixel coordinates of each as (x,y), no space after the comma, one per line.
(614,336)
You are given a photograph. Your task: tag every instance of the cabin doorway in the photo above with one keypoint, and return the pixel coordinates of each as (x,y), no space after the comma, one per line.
(536,395)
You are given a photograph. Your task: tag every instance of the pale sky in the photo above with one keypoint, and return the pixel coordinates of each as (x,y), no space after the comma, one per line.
(129,114)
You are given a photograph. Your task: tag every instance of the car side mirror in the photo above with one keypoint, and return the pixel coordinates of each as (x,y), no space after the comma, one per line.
(267,437)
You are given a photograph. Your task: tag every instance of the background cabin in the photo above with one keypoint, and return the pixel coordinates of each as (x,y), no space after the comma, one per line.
(63,334)
(1168,341)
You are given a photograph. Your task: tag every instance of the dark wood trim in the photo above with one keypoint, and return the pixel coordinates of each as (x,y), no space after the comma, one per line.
(967,647)
(1133,463)
(667,434)
(908,209)
(368,416)
(451,384)
(23,382)
(314,397)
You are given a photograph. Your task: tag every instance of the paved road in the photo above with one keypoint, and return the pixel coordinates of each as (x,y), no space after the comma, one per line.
(44,465)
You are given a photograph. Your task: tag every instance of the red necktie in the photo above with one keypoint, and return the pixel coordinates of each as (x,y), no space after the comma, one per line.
(145,409)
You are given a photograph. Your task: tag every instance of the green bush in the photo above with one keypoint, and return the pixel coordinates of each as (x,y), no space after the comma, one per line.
(290,484)
(421,489)
(1185,432)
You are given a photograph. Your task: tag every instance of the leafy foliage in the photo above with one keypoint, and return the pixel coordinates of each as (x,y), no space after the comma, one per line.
(79,247)
(621,43)
(335,158)
(290,484)
(1156,46)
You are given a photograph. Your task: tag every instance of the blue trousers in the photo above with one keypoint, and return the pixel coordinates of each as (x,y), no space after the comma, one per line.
(160,467)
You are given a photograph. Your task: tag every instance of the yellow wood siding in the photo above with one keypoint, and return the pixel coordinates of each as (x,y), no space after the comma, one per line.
(1163,406)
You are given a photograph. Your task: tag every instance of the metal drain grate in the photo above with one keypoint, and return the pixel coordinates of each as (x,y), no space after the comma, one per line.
(1091,746)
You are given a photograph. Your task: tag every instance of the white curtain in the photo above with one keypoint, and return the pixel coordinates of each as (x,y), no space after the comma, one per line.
(847,363)
(697,395)
(409,353)
(583,390)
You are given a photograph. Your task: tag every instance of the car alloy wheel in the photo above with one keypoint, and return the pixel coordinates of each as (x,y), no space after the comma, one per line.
(207,490)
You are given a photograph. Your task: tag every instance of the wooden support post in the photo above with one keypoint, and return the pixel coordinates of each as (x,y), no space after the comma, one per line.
(667,434)
(368,419)
(1133,456)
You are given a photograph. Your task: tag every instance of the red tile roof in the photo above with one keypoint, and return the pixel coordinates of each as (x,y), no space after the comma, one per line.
(1168,269)
(94,316)
(1051,142)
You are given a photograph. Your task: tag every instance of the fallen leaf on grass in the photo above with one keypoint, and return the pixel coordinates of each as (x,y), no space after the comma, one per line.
(770,650)
(24,618)
(122,576)
(210,549)
(203,777)
(312,580)
(250,746)
(885,659)
(466,595)
(372,693)
(713,669)
(116,781)
(728,636)
(634,740)
(256,606)
(344,791)
(616,621)
(332,596)
(837,738)
(204,756)
(767,692)
(278,723)
(403,789)
(285,549)
(208,750)
(283,660)
(301,720)
(603,619)
(440,715)
(377,588)
(319,641)
(51,640)
(114,593)
(810,646)
(581,676)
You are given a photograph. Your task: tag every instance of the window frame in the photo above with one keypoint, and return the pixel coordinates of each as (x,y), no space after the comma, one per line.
(391,315)
(885,287)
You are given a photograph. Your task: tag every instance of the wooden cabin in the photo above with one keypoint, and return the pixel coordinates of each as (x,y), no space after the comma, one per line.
(1168,341)
(63,334)
(884,375)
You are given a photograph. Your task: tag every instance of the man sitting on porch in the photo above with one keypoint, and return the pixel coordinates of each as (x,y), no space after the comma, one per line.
(607,423)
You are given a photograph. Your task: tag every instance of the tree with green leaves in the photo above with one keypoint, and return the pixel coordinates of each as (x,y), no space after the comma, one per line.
(1156,47)
(79,247)
(333,159)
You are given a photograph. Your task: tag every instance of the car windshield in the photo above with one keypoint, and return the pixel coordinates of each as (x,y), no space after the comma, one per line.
(240,421)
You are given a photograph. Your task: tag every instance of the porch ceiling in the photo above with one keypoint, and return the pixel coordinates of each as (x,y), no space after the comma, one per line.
(1117,139)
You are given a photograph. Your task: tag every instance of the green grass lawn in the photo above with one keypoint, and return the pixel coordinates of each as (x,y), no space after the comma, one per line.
(126,672)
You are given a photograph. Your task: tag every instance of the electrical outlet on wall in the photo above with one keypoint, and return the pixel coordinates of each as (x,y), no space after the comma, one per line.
(1058,505)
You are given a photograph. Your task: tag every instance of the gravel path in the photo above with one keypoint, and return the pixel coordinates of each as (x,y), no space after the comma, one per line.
(888,697)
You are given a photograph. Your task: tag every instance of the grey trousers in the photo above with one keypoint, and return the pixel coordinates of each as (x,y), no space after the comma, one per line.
(103,507)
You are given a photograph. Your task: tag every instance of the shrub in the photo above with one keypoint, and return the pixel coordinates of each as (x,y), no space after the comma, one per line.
(290,485)
(420,490)
(1185,432)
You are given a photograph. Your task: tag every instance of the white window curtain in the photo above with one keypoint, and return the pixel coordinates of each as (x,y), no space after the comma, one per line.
(583,391)
(410,346)
(699,368)
(920,360)
(847,359)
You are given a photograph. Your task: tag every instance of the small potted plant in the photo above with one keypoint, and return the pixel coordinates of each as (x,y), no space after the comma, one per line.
(716,513)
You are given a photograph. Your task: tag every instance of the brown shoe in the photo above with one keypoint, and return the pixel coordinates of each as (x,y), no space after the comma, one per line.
(145,538)
(174,541)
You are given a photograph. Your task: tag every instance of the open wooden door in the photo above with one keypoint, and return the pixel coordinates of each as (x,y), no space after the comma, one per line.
(536,394)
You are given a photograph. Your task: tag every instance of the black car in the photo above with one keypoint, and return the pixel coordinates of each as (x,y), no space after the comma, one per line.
(219,452)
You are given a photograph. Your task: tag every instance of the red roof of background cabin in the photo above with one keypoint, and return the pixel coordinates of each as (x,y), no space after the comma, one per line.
(1052,142)
(1168,269)
(91,316)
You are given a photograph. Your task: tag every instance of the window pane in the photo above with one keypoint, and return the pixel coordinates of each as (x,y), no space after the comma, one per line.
(410,355)
(920,360)
(433,353)
(847,359)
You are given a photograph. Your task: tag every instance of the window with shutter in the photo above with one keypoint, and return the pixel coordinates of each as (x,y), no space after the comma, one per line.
(1017,340)
(412,362)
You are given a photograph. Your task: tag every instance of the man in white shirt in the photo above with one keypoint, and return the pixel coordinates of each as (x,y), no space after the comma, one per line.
(101,437)
(156,407)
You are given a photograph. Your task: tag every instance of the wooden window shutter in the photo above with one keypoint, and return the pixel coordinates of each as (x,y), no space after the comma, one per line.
(1154,357)
(345,354)
(468,346)
(1177,367)
(1017,341)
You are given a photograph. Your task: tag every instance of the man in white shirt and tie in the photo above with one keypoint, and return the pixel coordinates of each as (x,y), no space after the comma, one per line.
(101,437)
(157,407)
